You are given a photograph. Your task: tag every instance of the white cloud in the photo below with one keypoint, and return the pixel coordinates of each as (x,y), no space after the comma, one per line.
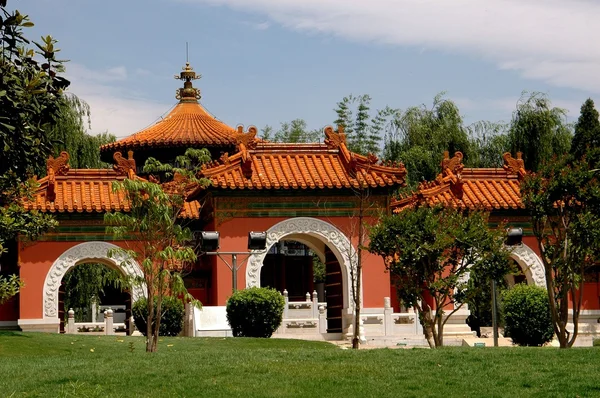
(113,108)
(550,40)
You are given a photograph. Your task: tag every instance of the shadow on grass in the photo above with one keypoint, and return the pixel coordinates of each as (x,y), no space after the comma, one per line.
(13,333)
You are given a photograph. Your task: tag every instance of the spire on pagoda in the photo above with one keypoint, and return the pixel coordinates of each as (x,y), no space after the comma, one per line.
(188,93)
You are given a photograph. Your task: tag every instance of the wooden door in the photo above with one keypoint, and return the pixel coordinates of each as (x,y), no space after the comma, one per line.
(334,292)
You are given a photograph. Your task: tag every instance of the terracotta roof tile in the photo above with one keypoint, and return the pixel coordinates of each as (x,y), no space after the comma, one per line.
(301,166)
(188,124)
(488,188)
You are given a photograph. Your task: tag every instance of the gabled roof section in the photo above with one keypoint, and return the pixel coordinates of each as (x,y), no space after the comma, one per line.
(87,190)
(261,165)
(188,124)
(473,188)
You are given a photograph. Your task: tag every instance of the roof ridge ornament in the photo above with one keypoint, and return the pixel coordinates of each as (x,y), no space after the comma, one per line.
(188,93)
(55,167)
(514,166)
(124,167)
(453,165)
(247,139)
(334,139)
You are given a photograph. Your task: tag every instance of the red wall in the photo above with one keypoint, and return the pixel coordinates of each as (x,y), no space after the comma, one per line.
(234,237)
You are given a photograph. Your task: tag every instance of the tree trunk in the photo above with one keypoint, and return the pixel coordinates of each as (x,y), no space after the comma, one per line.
(149,330)
(427,323)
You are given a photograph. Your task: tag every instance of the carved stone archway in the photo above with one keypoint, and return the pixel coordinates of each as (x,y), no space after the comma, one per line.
(85,252)
(311,227)
(530,263)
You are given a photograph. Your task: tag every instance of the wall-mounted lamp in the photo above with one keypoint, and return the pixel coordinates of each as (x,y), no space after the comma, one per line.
(514,236)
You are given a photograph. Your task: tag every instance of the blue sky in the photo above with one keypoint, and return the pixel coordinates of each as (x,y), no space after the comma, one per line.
(270,61)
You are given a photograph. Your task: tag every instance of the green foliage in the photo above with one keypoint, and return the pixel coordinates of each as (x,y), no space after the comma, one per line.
(430,252)
(187,166)
(30,93)
(171,316)
(563,200)
(85,283)
(295,131)
(527,315)
(489,141)
(538,130)
(587,131)
(9,287)
(364,133)
(318,269)
(156,241)
(422,134)
(255,312)
(69,134)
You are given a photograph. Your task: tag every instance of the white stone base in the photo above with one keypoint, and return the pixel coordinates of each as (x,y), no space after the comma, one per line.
(46,325)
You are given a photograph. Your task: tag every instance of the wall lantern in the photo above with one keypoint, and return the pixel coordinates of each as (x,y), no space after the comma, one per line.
(257,240)
(514,236)
(209,241)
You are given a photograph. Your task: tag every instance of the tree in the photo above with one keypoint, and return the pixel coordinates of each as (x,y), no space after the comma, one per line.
(68,134)
(295,131)
(421,134)
(30,92)
(430,252)
(364,136)
(488,141)
(587,130)
(538,130)
(563,200)
(155,240)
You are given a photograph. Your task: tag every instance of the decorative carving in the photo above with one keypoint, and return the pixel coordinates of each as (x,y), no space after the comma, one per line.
(124,167)
(225,158)
(58,166)
(327,233)
(248,140)
(372,158)
(76,255)
(514,166)
(531,264)
(453,164)
(333,139)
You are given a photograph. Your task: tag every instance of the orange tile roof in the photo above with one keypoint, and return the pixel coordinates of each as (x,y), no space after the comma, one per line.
(87,190)
(301,166)
(188,124)
(456,186)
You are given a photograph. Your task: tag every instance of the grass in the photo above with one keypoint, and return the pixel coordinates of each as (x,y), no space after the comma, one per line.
(33,365)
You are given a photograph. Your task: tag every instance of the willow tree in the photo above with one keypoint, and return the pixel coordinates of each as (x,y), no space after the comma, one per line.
(422,133)
(538,130)
(431,251)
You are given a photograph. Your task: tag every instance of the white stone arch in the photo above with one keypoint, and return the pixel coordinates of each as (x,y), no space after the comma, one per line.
(309,231)
(85,252)
(531,264)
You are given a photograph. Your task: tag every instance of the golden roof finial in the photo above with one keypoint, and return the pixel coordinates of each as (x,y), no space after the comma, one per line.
(188,93)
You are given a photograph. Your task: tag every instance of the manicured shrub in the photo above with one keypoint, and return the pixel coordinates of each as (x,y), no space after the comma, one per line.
(171,322)
(527,319)
(255,312)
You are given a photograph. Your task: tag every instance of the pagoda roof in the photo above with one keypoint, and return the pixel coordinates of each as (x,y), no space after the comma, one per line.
(88,190)
(470,188)
(187,124)
(262,165)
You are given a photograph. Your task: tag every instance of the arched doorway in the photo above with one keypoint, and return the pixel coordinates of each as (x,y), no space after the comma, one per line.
(89,288)
(85,252)
(332,247)
(530,263)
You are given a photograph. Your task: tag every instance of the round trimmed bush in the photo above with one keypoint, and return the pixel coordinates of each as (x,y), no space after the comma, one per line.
(171,322)
(527,319)
(255,312)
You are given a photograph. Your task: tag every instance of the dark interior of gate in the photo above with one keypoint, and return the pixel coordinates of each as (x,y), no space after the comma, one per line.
(293,266)
(107,295)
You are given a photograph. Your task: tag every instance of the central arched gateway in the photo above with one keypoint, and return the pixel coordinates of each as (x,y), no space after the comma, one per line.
(315,234)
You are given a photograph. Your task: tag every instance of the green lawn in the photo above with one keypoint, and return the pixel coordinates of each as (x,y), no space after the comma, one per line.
(101,366)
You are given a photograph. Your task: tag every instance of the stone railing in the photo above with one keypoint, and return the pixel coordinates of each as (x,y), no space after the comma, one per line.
(303,317)
(107,327)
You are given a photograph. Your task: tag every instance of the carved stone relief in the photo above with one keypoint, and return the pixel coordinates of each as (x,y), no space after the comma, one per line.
(88,251)
(329,234)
